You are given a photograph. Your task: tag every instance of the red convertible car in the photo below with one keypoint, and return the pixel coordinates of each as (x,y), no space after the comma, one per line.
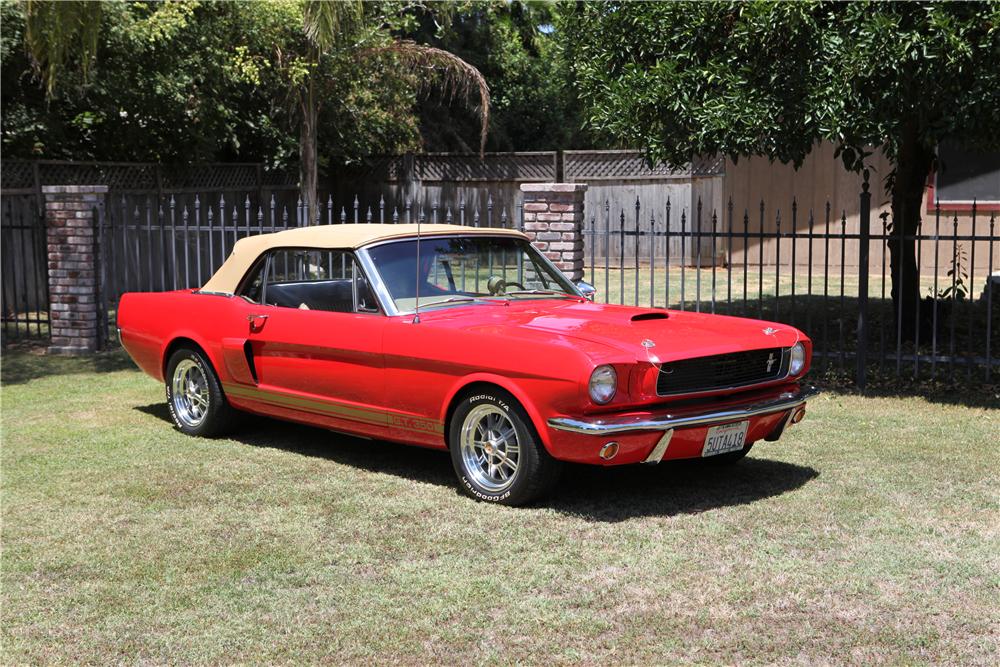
(465,339)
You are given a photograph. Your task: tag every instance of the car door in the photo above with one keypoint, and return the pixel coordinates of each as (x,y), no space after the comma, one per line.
(314,340)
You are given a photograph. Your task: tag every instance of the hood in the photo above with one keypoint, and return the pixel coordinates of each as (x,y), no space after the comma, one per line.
(600,330)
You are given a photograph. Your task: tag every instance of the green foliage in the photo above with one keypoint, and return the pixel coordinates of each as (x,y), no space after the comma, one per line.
(515,46)
(959,273)
(192,81)
(202,81)
(328,23)
(771,78)
(58,32)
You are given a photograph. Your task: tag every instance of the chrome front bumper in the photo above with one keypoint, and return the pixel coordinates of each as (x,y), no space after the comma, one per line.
(611,425)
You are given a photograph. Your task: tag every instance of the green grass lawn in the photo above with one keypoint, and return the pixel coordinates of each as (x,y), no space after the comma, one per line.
(869,534)
(688,283)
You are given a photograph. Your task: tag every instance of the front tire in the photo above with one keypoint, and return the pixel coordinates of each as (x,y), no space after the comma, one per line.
(194,395)
(496,452)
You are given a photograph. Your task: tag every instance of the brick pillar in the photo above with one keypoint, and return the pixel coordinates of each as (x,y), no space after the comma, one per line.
(553,219)
(71,236)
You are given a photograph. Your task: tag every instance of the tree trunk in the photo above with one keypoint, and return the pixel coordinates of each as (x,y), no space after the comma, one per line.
(913,163)
(308,148)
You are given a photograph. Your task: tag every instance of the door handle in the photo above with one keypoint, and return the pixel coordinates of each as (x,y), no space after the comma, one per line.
(256,322)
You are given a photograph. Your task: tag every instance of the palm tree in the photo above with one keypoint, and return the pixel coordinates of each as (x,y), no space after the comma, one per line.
(58,32)
(331,25)
(61,32)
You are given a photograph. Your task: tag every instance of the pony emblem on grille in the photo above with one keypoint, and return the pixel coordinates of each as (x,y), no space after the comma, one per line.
(770,361)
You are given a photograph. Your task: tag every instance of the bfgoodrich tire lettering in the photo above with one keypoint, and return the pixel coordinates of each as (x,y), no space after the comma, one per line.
(194,396)
(496,452)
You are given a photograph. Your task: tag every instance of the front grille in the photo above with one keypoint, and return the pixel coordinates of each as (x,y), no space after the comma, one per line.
(722,371)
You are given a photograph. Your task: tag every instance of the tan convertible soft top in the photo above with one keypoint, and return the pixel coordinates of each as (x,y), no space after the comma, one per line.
(345,236)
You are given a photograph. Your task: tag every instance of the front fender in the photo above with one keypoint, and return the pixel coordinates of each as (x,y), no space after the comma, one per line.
(508,385)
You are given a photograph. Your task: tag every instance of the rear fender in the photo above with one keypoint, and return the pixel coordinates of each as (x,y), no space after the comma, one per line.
(212,351)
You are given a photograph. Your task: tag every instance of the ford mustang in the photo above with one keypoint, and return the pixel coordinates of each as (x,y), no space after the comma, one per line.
(464,339)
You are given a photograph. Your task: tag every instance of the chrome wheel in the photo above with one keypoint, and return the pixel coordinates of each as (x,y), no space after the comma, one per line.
(189,393)
(490,450)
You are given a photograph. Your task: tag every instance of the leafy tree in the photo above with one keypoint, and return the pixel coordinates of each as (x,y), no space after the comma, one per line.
(60,31)
(327,26)
(352,34)
(515,47)
(191,81)
(772,78)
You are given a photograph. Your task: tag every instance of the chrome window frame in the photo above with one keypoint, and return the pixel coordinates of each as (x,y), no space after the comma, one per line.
(382,292)
(367,270)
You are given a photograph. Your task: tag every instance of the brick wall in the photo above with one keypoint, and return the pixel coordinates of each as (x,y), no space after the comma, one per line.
(71,213)
(553,219)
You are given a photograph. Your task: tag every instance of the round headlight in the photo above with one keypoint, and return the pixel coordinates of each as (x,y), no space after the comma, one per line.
(798,360)
(603,384)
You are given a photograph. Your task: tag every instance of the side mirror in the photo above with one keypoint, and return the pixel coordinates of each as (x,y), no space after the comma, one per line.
(586,289)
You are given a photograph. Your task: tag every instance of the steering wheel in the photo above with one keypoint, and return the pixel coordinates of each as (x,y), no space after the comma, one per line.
(497,285)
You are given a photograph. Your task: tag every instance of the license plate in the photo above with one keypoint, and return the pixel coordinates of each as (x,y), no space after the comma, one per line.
(725,438)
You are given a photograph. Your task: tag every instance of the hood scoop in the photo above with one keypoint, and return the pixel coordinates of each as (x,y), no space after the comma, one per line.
(652,315)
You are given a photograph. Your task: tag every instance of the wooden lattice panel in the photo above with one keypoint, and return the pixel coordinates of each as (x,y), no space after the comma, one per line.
(614,165)
(278,177)
(137,176)
(516,167)
(708,165)
(115,175)
(16,175)
(210,177)
(629,165)
(388,168)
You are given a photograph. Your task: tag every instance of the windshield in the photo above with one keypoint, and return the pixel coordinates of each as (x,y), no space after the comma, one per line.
(466,269)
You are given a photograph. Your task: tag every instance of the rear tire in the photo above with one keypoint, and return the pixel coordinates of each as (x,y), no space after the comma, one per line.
(729,458)
(194,396)
(496,452)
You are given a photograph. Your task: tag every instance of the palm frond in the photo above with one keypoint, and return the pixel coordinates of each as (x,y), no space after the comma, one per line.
(325,22)
(57,32)
(437,67)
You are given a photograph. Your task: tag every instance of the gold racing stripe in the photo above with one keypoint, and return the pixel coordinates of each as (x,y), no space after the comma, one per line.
(333,409)
(286,400)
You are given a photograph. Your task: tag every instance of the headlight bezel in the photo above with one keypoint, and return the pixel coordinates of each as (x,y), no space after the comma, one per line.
(604,376)
(797,359)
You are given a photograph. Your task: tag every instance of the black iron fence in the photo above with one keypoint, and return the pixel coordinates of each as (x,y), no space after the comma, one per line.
(832,283)
(825,272)
(23,258)
(151,243)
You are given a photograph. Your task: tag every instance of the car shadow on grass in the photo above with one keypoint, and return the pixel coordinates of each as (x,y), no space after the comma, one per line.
(589,492)
(673,487)
(25,363)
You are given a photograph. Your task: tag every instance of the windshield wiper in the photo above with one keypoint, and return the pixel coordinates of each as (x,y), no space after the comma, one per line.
(546,292)
(451,299)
